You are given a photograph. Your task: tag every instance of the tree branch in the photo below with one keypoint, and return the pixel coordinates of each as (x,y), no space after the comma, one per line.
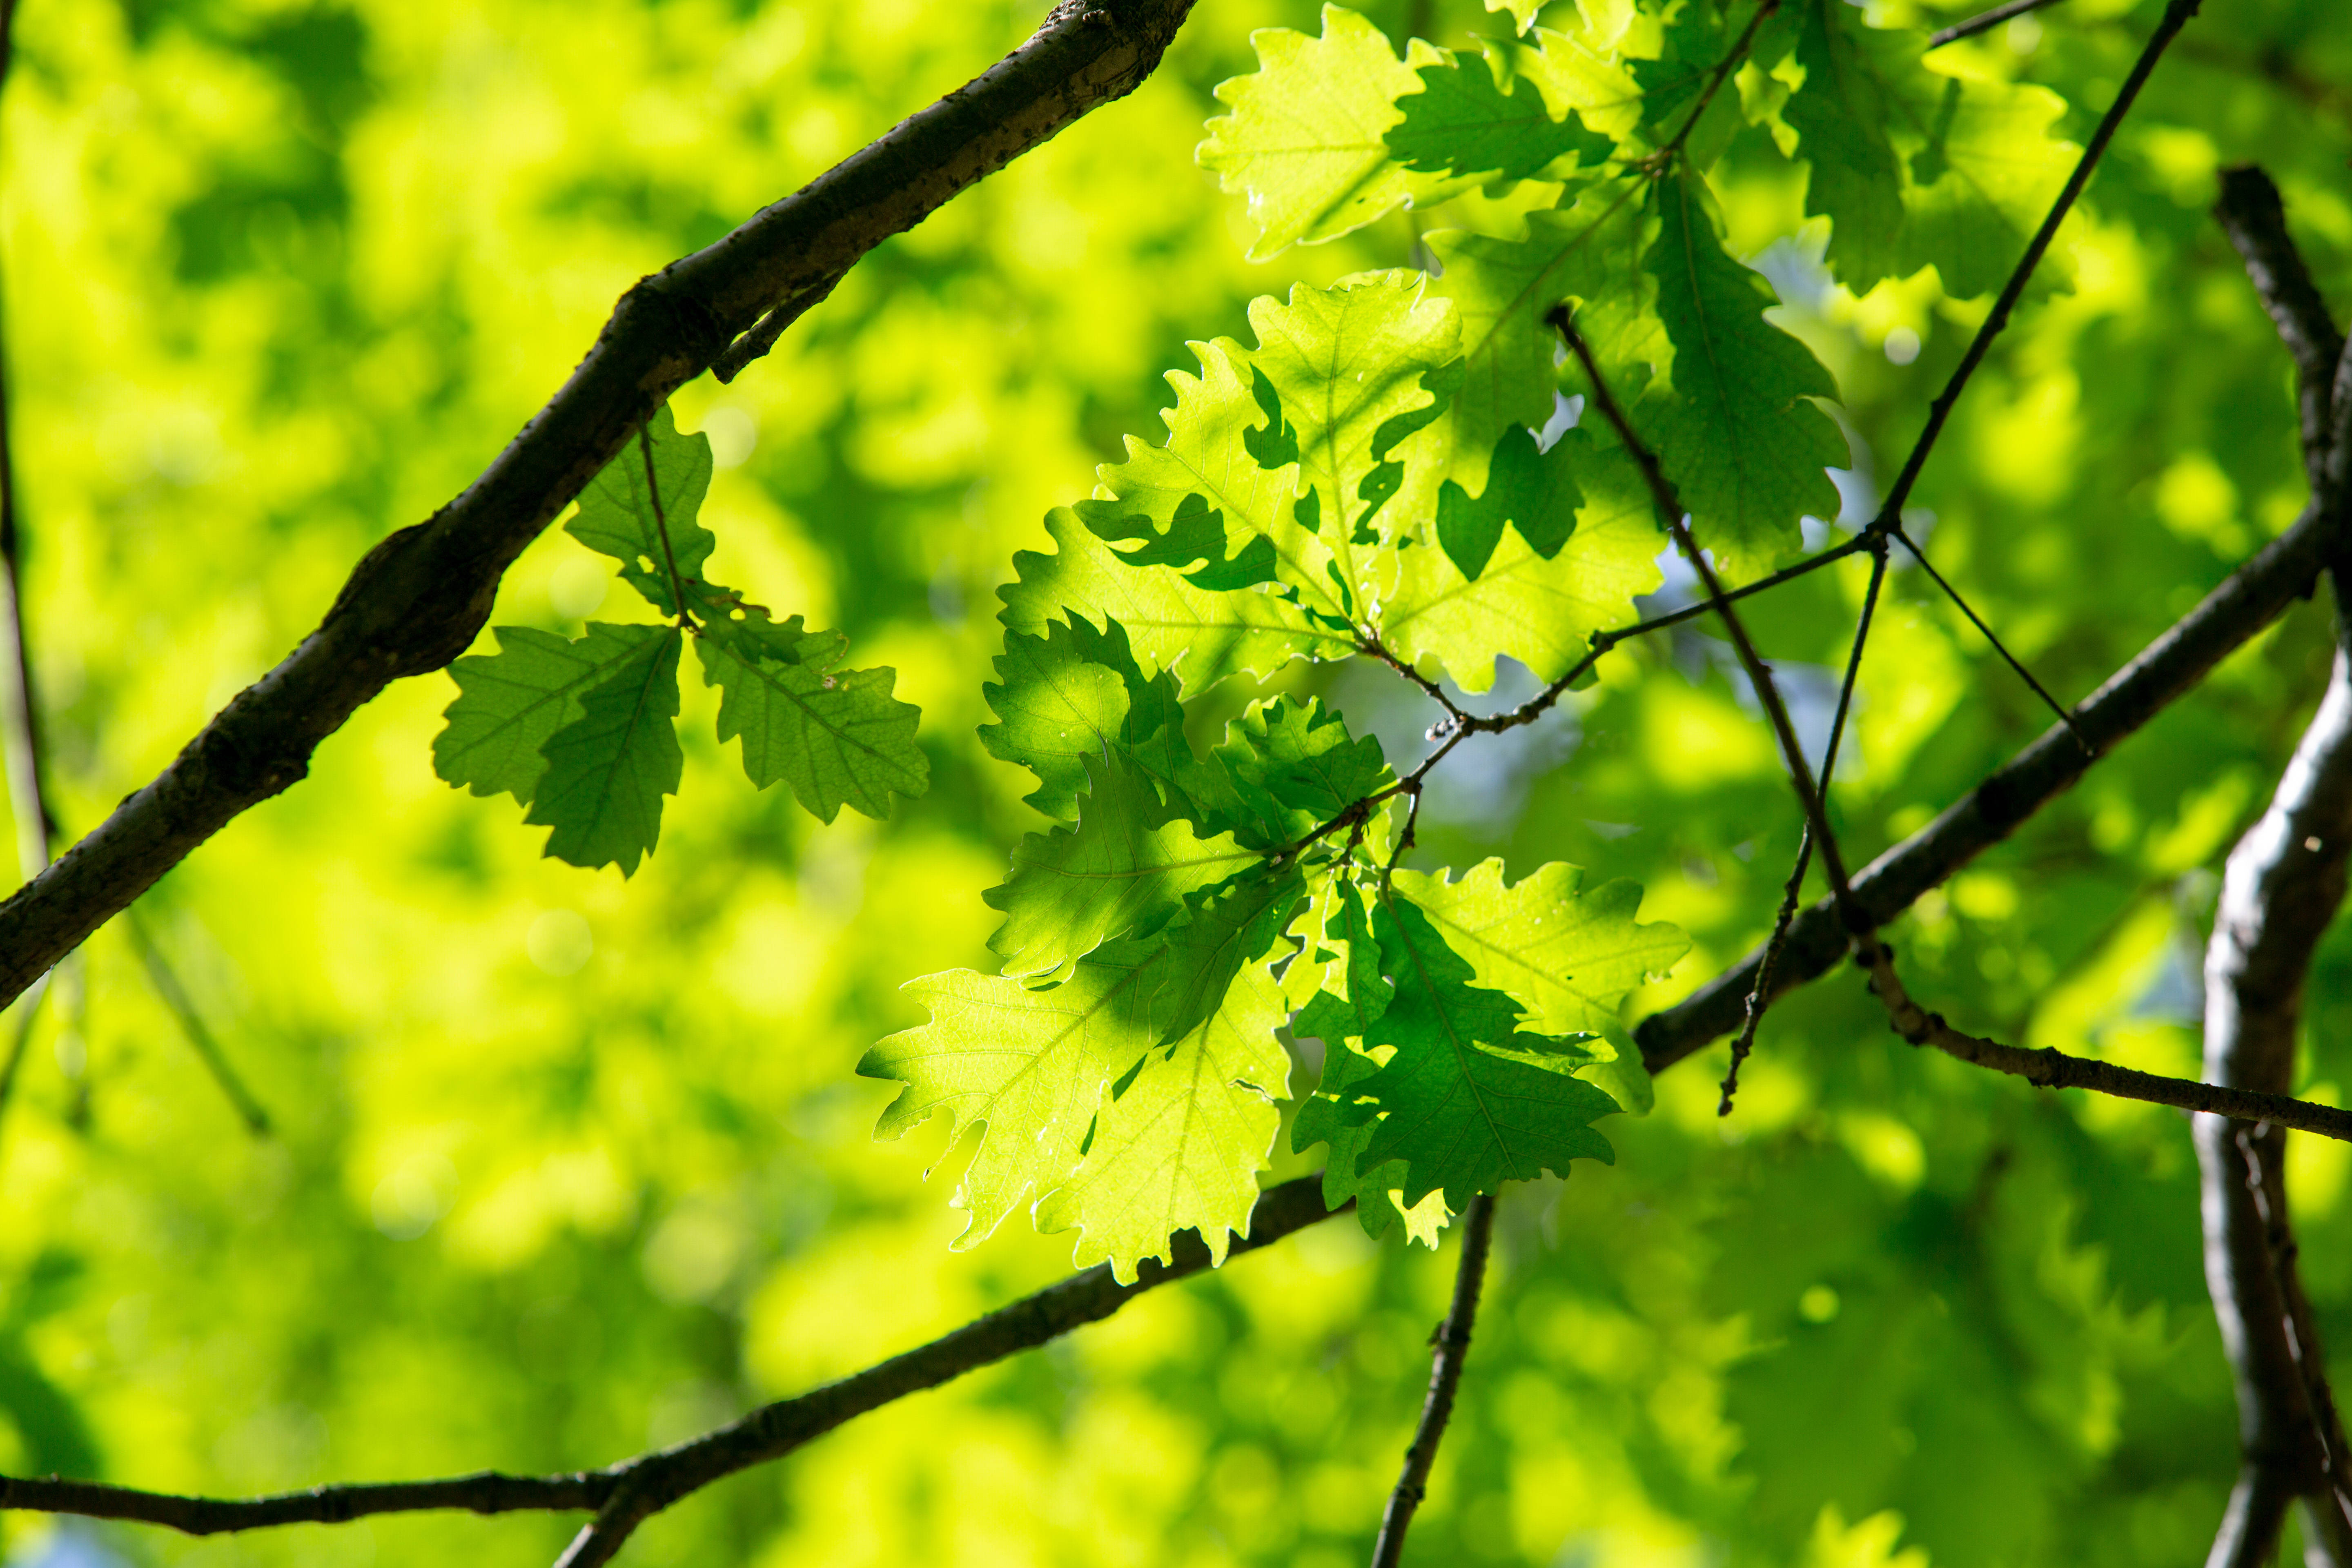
(2284,885)
(1452,1342)
(2056,1069)
(1984,22)
(417,599)
(653,1481)
(2253,217)
(2176,16)
(2246,601)
(1759,674)
(2281,890)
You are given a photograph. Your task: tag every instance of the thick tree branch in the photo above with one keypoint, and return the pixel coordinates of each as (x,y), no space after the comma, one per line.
(416,600)
(2246,601)
(2253,217)
(651,1482)
(2283,883)
(1452,1342)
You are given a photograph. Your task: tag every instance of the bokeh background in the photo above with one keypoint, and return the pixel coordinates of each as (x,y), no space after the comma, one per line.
(558,1166)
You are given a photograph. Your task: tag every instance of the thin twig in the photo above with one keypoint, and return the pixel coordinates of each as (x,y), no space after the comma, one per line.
(2176,16)
(669,1474)
(1452,1342)
(1985,22)
(2055,1070)
(661,524)
(2242,606)
(1664,156)
(1759,674)
(2056,707)
(1430,688)
(174,996)
(1761,997)
(1603,643)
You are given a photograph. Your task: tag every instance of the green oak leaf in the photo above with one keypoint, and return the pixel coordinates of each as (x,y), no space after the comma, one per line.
(623,513)
(1567,955)
(1467,1101)
(1584,68)
(1463,122)
(1034,1065)
(1295,767)
(1062,699)
(1125,868)
(511,702)
(1179,1145)
(1914,162)
(608,769)
(837,737)
(1532,490)
(1202,636)
(1207,496)
(1339,952)
(1354,995)
(1590,246)
(1542,612)
(1732,420)
(1352,367)
(1304,140)
(1225,929)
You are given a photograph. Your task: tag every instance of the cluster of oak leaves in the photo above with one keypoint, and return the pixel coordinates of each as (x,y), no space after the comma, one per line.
(1366,478)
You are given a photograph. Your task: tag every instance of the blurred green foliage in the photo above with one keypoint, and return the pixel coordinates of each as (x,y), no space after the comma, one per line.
(563,1166)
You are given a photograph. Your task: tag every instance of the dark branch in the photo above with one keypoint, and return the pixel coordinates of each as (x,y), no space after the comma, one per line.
(1452,1342)
(2250,214)
(656,1480)
(2281,890)
(2248,600)
(1761,997)
(1759,674)
(2055,1070)
(416,600)
(2176,16)
(1984,22)
(1999,648)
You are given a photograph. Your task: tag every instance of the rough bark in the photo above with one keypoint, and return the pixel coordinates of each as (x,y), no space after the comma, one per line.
(414,602)
(2280,893)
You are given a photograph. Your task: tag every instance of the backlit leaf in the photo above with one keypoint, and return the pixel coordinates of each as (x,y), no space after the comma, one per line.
(837,737)
(1125,868)
(608,769)
(624,512)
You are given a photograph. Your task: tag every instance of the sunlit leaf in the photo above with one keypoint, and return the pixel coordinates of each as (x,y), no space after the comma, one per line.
(1468,1099)
(1202,635)
(1305,139)
(837,737)
(1126,868)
